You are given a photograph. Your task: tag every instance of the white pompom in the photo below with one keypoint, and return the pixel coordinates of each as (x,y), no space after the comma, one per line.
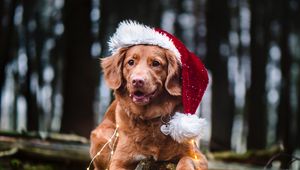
(184,127)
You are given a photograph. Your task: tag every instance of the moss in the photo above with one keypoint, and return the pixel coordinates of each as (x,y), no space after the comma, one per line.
(149,164)
(28,166)
(15,164)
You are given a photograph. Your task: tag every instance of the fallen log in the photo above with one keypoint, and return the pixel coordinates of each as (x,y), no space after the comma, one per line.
(56,147)
(251,157)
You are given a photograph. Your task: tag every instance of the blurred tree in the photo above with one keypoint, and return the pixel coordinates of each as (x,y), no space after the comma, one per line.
(7,11)
(296,27)
(7,44)
(80,72)
(284,131)
(179,30)
(298,115)
(32,106)
(256,95)
(217,56)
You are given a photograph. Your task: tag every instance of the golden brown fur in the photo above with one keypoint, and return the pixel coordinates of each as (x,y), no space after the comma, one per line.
(146,81)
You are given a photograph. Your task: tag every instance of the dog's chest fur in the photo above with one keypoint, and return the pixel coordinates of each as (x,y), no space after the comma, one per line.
(145,136)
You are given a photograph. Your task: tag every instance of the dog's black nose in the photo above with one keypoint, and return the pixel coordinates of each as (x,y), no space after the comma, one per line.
(138,82)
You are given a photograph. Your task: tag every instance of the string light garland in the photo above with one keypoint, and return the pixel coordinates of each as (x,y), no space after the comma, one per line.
(111,143)
(193,142)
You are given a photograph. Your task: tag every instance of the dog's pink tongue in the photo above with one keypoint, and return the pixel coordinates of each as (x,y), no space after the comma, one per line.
(140,98)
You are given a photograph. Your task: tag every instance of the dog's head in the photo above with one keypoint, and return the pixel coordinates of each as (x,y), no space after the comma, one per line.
(143,72)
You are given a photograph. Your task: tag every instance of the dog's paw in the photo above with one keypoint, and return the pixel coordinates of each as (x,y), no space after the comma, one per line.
(188,163)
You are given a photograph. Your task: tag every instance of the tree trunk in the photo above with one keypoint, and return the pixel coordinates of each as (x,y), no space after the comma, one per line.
(297,27)
(32,109)
(222,97)
(6,37)
(1,62)
(284,109)
(256,98)
(81,70)
(298,114)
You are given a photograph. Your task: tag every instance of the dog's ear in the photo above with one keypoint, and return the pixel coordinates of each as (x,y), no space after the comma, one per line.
(112,68)
(173,82)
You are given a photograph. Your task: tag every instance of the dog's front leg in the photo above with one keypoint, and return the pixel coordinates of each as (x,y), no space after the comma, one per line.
(123,157)
(97,142)
(122,162)
(189,163)
(119,164)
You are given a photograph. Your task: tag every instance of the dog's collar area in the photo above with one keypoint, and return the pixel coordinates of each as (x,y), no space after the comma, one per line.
(163,119)
(165,127)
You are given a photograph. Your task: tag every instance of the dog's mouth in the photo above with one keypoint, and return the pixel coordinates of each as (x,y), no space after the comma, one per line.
(140,97)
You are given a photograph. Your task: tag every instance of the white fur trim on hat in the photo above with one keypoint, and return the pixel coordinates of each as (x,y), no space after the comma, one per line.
(132,33)
(184,127)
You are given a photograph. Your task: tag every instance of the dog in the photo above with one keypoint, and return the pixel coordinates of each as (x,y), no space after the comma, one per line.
(147,88)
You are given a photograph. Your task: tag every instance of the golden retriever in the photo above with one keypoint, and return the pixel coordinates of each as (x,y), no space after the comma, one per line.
(147,87)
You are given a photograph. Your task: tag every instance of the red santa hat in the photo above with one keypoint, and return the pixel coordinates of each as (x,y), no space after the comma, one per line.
(182,126)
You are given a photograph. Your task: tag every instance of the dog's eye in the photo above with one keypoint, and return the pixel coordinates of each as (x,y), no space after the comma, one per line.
(131,62)
(155,64)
